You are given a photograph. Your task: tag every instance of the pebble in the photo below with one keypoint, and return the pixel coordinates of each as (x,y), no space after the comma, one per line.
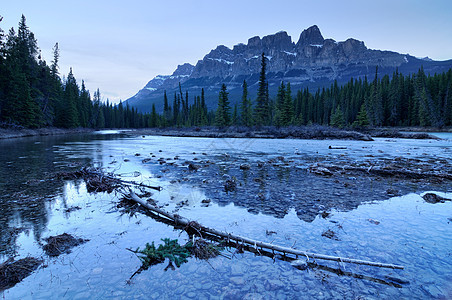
(97,270)
(237,280)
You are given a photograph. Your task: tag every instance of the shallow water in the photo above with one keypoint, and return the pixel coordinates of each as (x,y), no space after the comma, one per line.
(410,232)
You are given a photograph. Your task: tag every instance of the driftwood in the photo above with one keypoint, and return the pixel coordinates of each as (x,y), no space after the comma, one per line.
(98,181)
(195,227)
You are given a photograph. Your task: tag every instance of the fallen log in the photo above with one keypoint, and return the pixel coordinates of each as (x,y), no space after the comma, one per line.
(98,181)
(256,244)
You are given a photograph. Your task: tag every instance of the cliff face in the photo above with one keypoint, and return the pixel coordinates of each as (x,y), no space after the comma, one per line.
(312,61)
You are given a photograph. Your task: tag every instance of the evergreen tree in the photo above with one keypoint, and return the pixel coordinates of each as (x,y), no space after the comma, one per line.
(154,117)
(222,117)
(204,112)
(56,58)
(166,111)
(337,118)
(246,107)
(235,115)
(288,109)
(280,101)
(20,78)
(261,111)
(362,120)
(375,103)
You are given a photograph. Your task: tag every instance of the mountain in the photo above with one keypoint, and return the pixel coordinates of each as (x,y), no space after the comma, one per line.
(312,61)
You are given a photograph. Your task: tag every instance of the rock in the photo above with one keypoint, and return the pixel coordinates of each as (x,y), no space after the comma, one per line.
(274,284)
(237,280)
(434,198)
(373,221)
(310,36)
(322,171)
(230,185)
(300,264)
(330,234)
(193,167)
(253,296)
(245,167)
(325,214)
(392,192)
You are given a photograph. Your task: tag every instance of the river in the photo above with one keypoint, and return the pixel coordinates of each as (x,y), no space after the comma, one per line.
(277,200)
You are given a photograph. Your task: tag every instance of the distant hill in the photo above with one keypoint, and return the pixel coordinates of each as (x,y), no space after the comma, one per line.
(310,62)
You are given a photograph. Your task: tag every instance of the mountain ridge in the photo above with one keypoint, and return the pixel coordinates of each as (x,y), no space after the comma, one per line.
(312,61)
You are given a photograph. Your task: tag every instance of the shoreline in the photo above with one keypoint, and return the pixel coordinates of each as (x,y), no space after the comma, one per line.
(267,132)
(20,133)
(317,132)
(314,132)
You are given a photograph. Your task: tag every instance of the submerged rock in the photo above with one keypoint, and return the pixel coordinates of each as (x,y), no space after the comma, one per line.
(245,167)
(434,198)
(193,167)
(60,244)
(230,185)
(300,264)
(330,234)
(13,272)
(322,171)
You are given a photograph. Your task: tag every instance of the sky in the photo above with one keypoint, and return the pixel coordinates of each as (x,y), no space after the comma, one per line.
(118,46)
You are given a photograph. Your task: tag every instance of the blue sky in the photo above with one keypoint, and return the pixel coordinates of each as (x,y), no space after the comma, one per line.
(118,46)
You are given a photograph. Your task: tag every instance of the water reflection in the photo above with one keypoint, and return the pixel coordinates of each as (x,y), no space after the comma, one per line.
(29,185)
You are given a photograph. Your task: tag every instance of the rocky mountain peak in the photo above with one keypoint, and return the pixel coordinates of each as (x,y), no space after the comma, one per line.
(184,70)
(254,42)
(310,36)
(278,41)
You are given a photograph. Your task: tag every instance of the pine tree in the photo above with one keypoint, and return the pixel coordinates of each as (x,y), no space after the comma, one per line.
(235,115)
(246,108)
(96,118)
(204,112)
(20,78)
(154,117)
(375,106)
(280,100)
(222,117)
(261,111)
(361,119)
(166,111)
(337,118)
(288,108)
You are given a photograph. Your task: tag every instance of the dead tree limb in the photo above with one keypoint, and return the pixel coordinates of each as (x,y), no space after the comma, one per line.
(239,239)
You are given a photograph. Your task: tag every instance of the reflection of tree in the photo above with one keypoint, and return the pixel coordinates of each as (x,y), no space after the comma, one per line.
(28,185)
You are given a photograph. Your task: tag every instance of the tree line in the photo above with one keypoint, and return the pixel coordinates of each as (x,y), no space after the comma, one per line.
(413,100)
(33,95)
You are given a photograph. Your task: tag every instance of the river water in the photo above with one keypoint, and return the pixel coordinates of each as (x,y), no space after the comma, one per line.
(276,201)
